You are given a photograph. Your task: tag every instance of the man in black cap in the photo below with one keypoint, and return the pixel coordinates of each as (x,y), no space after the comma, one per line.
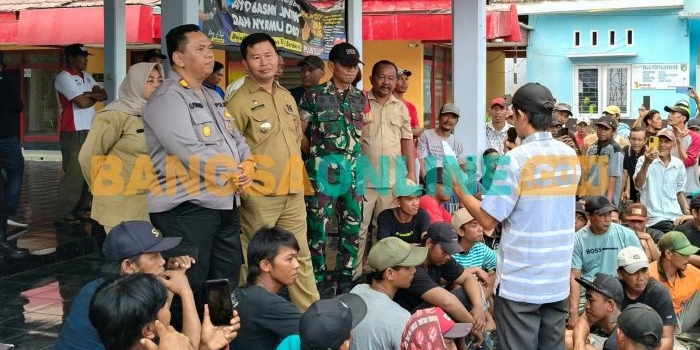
(130,247)
(77,93)
(562,112)
(595,249)
(336,113)
(463,304)
(638,327)
(311,71)
(691,228)
(610,181)
(604,296)
(154,56)
(328,324)
(531,298)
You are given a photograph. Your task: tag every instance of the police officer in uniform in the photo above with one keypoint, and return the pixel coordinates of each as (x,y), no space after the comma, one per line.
(267,115)
(201,162)
(335,112)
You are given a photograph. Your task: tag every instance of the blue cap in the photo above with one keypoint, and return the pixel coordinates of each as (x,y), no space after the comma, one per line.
(131,238)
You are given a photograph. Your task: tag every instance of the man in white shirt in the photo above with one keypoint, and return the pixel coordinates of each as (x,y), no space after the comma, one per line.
(77,93)
(393,263)
(661,181)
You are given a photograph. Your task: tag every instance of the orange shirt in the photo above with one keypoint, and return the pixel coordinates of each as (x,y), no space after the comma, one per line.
(684,288)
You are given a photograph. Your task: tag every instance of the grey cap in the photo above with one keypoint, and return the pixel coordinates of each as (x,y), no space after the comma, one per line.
(450,108)
(561,106)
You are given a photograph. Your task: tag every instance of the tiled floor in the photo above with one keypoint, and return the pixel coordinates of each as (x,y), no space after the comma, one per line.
(35,293)
(35,302)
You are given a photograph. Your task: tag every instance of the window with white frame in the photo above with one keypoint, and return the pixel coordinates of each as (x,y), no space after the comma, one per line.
(598,86)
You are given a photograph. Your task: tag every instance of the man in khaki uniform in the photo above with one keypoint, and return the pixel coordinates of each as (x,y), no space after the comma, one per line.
(386,142)
(267,115)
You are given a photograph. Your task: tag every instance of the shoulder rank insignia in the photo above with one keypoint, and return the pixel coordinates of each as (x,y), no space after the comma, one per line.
(184,83)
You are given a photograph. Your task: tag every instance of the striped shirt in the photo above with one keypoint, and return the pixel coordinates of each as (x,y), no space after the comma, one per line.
(495,138)
(534,199)
(479,256)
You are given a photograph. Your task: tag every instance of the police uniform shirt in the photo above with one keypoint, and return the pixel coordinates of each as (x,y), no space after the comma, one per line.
(271,125)
(181,128)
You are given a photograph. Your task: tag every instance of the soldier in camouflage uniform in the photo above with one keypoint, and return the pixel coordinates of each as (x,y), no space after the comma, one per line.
(335,112)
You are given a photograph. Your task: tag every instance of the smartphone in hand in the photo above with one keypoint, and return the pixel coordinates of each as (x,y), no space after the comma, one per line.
(218,296)
(653,143)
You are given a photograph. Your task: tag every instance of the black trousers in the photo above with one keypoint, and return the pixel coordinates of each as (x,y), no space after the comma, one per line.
(211,236)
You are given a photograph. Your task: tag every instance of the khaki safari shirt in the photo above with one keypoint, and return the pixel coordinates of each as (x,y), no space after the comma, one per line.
(270,123)
(391,124)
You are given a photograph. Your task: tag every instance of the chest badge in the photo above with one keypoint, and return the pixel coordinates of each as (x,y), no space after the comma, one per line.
(206,131)
(227,114)
(289,109)
(265,127)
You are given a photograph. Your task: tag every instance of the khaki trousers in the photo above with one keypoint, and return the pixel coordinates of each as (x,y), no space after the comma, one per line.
(374,204)
(287,212)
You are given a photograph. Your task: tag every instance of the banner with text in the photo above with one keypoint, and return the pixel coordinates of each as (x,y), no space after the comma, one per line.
(659,76)
(296,26)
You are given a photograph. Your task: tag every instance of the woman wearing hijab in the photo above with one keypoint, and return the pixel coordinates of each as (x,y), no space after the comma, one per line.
(114,145)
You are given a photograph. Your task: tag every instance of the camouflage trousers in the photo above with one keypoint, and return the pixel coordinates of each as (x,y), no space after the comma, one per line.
(347,207)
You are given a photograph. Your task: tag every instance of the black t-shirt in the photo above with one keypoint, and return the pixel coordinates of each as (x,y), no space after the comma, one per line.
(409,232)
(657,297)
(689,230)
(426,279)
(266,319)
(629,164)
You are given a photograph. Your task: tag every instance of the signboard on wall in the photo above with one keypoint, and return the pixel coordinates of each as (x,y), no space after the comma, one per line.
(296,26)
(659,76)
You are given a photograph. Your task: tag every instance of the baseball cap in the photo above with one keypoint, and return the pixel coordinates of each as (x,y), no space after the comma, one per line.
(667,134)
(636,211)
(632,259)
(604,284)
(642,324)
(694,123)
(534,98)
(565,107)
(612,110)
(131,238)
(444,233)
(422,329)
(409,189)
(498,101)
(345,54)
(76,50)
(405,72)
(312,61)
(583,119)
(677,241)
(607,121)
(681,106)
(327,323)
(393,251)
(695,202)
(153,53)
(580,208)
(461,217)
(450,108)
(598,205)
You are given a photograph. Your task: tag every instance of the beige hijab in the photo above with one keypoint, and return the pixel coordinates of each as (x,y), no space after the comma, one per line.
(132,91)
